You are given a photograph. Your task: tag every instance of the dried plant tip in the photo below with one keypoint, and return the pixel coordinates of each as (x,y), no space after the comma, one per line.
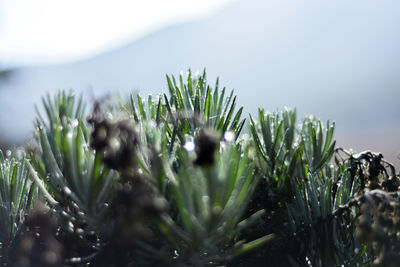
(206,145)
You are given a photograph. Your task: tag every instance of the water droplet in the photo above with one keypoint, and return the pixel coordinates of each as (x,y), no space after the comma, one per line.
(229,136)
(189,146)
(74,123)
(67,190)
(70,135)
(70,226)
(176,254)
(79,231)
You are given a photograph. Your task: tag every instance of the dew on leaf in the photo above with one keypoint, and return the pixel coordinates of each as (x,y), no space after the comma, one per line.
(189,146)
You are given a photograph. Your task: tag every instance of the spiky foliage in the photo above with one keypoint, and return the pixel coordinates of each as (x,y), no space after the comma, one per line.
(298,178)
(191,104)
(172,182)
(208,202)
(17,193)
(70,174)
(206,180)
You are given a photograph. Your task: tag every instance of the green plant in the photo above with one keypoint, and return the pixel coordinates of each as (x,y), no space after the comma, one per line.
(17,192)
(174,182)
(209,201)
(189,106)
(75,182)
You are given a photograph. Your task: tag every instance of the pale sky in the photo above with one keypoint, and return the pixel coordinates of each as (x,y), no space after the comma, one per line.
(56,31)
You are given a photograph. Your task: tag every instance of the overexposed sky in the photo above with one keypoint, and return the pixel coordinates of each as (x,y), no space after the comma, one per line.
(55,31)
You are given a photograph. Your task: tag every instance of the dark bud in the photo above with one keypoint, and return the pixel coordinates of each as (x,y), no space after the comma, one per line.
(100,135)
(101,129)
(207,143)
(116,139)
(121,152)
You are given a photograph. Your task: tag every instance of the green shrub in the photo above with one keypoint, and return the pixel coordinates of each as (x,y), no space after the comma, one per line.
(179,180)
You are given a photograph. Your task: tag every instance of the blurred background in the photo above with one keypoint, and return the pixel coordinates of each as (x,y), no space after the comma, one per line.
(338,60)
